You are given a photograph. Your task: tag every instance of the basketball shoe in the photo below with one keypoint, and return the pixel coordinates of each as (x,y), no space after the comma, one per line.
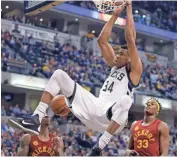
(28,124)
(95,151)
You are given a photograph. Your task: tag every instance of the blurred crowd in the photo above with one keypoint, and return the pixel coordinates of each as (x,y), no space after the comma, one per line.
(13,111)
(26,55)
(161,14)
(30,21)
(159,81)
(76,141)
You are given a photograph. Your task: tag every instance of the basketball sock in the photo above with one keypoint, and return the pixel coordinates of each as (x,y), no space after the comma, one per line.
(50,113)
(41,110)
(104,139)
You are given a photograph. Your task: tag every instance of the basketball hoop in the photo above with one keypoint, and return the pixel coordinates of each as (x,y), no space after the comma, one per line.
(108,5)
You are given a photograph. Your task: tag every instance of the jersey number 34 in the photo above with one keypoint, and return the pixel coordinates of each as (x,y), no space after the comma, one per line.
(108,86)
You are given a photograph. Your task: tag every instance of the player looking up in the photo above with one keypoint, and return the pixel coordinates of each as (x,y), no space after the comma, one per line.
(150,136)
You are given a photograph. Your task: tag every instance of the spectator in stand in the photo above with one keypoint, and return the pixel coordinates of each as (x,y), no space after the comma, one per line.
(47,70)
(24,112)
(15,30)
(16,110)
(73,145)
(81,65)
(152,13)
(153,77)
(3,111)
(90,35)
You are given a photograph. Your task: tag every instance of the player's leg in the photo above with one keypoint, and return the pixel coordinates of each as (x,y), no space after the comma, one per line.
(118,121)
(59,82)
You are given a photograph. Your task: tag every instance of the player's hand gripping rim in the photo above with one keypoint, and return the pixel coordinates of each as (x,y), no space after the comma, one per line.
(128,2)
(118,10)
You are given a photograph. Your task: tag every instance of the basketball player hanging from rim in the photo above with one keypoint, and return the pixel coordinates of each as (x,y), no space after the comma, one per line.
(108,113)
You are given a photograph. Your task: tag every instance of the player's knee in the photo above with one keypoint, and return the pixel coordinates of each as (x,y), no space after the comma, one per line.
(126,102)
(59,74)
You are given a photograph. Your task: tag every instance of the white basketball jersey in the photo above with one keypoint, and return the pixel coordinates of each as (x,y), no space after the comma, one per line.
(116,85)
(95,112)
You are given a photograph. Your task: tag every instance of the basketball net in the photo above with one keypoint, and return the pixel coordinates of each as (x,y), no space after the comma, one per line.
(108,5)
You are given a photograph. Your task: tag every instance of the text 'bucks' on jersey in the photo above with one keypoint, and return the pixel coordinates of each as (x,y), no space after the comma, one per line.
(117,84)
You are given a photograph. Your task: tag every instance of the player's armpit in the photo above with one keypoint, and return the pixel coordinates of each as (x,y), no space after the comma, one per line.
(164,139)
(23,150)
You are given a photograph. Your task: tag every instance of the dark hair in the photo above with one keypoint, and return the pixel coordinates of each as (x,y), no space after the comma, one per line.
(121,47)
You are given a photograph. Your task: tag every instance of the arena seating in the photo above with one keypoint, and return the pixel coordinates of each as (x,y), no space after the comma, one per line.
(161,14)
(43,58)
(11,60)
(77,142)
(40,58)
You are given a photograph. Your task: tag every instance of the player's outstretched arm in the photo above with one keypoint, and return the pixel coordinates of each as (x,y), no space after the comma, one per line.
(23,150)
(103,39)
(164,139)
(130,35)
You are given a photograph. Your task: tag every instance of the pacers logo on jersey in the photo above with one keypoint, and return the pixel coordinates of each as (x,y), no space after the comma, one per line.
(136,128)
(35,143)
